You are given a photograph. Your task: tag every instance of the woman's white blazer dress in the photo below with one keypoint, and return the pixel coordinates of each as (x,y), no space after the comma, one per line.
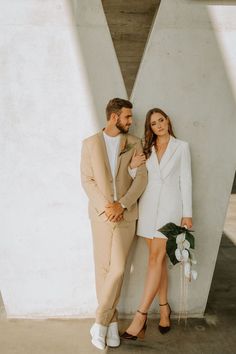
(168,195)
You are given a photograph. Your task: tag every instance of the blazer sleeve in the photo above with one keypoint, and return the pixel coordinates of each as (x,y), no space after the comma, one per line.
(88,181)
(186,181)
(138,185)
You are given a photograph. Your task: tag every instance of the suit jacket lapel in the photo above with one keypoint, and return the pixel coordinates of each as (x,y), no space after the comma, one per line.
(104,152)
(123,141)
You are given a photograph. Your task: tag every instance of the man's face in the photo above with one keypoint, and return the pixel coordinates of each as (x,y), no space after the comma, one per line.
(124,120)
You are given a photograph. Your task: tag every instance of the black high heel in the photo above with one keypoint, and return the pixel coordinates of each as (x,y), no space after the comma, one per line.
(164,330)
(141,333)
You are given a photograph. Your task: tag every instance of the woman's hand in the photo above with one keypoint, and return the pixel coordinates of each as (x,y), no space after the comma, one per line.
(188,222)
(137,160)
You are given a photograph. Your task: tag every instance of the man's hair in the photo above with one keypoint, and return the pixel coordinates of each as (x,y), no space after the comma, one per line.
(115,105)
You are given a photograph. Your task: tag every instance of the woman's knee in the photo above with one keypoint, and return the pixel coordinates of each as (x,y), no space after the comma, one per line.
(157,257)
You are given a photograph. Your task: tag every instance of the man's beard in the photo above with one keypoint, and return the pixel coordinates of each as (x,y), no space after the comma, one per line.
(122,128)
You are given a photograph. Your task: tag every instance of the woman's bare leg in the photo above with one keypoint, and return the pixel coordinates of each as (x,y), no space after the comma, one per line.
(157,253)
(162,294)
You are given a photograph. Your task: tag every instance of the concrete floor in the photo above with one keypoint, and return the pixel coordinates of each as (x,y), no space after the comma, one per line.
(215,334)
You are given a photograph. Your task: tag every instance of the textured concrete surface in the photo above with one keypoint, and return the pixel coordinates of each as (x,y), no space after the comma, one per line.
(190,51)
(130,23)
(214,334)
(46,110)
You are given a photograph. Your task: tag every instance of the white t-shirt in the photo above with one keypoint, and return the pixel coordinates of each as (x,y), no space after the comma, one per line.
(112,146)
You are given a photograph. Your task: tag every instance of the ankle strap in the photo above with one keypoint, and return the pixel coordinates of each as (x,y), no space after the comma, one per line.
(163,304)
(142,313)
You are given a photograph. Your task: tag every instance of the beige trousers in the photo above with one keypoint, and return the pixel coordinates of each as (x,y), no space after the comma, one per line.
(111,245)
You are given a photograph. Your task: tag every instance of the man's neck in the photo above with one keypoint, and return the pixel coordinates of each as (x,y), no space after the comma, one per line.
(111,131)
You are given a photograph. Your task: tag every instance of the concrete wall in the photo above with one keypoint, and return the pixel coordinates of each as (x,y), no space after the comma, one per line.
(188,70)
(58,69)
(47,108)
(130,23)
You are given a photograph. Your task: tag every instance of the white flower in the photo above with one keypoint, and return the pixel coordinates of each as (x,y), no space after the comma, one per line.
(194,274)
(192,256)
(186,244)
(187,269)
(178,255)
(185,255)
(180,238)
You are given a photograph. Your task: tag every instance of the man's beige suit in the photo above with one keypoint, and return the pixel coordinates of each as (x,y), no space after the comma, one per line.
(111,240)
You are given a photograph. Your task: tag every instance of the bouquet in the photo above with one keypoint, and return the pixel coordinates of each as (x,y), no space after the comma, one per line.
(179,247)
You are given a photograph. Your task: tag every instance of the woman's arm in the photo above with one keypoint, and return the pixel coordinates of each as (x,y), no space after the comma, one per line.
(139,183)
(137,160)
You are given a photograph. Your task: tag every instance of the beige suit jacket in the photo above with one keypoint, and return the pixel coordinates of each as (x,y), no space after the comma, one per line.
(97,179)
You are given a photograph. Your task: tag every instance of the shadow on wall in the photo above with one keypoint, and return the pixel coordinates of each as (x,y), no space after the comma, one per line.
(221,301)
(95,45)
(234,185)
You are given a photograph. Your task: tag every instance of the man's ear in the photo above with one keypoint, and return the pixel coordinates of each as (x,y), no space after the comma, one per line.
(113,117)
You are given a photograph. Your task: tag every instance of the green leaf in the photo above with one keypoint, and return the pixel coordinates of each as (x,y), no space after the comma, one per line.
(190,238)
(171,229)
(170,249)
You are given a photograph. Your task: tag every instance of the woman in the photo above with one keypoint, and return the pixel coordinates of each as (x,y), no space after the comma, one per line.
(167,198)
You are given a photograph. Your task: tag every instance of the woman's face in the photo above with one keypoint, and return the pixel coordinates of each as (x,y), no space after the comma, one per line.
(159,124)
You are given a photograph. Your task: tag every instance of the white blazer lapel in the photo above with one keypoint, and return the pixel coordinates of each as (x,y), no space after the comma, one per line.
(154,163)
(168,154)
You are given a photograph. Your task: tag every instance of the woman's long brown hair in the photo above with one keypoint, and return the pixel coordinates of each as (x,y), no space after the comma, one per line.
(149,136)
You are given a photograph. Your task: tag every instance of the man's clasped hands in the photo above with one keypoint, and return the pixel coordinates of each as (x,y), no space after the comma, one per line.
(114,211)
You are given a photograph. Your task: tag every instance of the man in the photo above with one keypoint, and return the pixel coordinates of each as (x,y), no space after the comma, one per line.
(113,190)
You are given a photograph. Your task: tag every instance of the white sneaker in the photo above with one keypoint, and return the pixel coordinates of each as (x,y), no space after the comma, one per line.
(113,338)
(98,333)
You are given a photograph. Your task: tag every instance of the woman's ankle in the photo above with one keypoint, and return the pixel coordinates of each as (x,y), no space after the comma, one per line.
(141,312)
